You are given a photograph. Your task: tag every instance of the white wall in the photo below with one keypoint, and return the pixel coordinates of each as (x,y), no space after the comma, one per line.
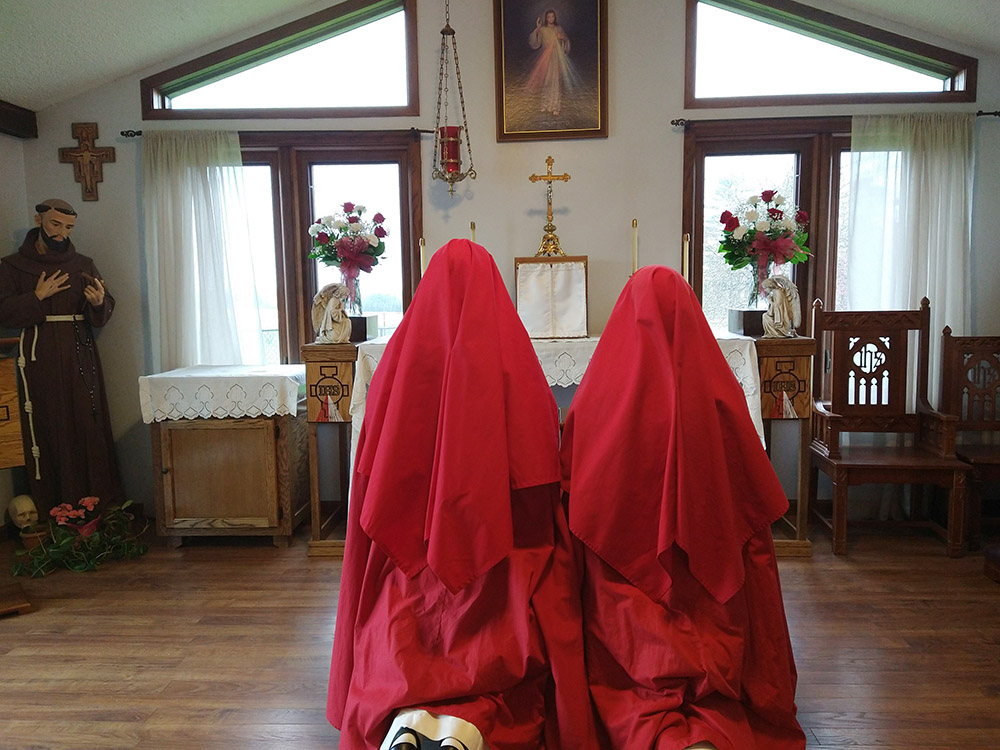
(635,172)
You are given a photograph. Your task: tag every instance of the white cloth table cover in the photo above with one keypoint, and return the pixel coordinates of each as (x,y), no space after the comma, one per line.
(222,391)
(564,361)
(552,298)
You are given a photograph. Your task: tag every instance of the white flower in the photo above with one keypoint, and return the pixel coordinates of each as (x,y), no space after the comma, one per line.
(763,225)
(339,224)
(315,229)
(740,232)
(752,216)
(359,209)
(328,220)
(355,227)
(753,200)
(372,240)
(779,199)
(789,224)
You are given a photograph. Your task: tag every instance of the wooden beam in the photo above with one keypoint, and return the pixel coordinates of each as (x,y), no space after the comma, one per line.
(17,121)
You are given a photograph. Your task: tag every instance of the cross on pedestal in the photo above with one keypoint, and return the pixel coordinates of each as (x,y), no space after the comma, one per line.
(87,160)
(550,242)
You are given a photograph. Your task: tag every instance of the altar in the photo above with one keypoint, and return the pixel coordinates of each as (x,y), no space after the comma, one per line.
(229,450)
(564,362)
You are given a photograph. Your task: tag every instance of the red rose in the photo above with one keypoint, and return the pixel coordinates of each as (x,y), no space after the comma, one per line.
(378,218)
(726,216)
(732,223)
(353,219)
(380,232)
(348,207)
(802,217)
(776,213)
(768,195)
(322,238)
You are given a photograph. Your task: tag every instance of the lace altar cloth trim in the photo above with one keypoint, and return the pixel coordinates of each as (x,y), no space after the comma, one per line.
(565,360)
(222,391)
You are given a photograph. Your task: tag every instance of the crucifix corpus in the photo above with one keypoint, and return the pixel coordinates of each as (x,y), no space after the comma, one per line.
(550,242)
(87,159)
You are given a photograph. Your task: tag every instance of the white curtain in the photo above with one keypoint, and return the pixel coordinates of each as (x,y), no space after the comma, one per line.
(909,237)
(203,305)
(911,218)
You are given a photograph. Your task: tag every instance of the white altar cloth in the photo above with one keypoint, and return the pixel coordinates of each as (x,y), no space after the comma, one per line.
(221,391)
(563,362)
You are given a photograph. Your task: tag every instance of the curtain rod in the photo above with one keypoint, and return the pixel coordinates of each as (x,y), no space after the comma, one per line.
(681,122)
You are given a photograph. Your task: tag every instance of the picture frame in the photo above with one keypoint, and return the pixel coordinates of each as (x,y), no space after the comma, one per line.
(551,69)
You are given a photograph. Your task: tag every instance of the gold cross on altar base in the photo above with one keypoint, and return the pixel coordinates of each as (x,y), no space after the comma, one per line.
(550,242)
(87,160)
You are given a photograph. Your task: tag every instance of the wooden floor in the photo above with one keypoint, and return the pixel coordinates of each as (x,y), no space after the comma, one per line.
(226,646)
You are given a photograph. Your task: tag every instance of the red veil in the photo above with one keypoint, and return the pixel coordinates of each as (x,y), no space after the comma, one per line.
(672,496)
(459,595)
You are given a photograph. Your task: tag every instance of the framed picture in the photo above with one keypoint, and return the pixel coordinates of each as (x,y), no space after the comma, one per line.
(551,69)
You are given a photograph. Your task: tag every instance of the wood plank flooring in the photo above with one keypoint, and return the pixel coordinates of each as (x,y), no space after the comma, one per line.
(225,645)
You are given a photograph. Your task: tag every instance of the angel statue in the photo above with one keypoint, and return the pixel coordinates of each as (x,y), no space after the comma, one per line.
(784,313)
(329,318)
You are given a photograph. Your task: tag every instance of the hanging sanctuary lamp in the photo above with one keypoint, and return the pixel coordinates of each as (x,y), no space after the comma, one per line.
(448,138)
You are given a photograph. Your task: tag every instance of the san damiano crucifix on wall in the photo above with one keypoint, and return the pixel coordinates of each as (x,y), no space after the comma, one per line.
(87,159)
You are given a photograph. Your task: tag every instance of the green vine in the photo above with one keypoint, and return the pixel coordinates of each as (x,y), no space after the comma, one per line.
(114,539)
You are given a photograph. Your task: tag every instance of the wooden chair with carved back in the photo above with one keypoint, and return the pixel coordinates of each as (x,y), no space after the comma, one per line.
(866,356)
(970,390)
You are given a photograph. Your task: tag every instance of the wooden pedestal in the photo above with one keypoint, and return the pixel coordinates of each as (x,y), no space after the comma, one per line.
(785,366)
(329,384)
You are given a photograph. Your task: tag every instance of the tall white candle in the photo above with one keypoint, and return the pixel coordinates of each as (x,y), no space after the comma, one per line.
(472,226)
(635,245)
(423,257)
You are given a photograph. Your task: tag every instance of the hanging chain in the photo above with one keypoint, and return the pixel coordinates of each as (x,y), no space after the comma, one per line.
(461,98)
(444,89)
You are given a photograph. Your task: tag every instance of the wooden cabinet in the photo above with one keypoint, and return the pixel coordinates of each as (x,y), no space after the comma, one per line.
(11,447)
(231,477)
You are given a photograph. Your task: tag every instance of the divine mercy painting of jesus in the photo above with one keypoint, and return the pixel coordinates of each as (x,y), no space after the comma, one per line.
(551,60)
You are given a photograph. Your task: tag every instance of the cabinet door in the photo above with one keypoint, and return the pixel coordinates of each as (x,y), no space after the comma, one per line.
(219,474)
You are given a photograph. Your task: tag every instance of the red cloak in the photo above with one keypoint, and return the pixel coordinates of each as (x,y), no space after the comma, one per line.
(672,496)
(459,593)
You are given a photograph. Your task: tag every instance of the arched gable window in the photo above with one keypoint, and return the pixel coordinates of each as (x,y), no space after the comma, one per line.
(356,59)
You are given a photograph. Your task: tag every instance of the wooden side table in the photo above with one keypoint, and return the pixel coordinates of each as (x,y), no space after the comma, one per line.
(329,385)
(785,366)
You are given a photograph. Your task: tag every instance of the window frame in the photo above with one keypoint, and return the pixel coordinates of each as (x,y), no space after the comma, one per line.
(289,153)
(963,70)
(272,44)
(819,142)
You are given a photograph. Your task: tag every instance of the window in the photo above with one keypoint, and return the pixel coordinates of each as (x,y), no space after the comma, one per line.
(291,178)
(822,58)
(286,72)
(728,160)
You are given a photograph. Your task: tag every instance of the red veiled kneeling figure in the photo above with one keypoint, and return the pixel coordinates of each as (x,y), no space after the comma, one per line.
(672,497)
(459,612)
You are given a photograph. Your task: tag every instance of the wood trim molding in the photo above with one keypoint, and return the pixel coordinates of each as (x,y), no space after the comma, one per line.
(17,121)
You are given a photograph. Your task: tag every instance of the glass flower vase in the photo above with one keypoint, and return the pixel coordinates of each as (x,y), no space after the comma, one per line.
(352,306)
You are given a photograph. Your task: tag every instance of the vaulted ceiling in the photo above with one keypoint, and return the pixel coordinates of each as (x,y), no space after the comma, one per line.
(53,49)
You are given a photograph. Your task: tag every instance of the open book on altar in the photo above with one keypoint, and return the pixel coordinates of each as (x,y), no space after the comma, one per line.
(551,295)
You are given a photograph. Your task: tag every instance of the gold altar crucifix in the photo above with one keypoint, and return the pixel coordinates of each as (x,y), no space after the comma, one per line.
(550,242)
(87,160)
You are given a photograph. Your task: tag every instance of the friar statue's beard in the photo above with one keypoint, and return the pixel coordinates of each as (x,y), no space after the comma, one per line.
(56,246)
